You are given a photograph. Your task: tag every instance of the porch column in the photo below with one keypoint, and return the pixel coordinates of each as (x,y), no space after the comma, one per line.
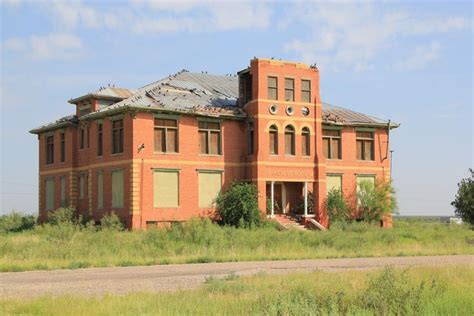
(272,194)
(305,198)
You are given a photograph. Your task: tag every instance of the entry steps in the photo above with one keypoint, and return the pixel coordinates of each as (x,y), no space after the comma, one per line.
(288,222)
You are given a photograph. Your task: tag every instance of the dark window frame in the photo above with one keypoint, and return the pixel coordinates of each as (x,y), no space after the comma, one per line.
(305,92)
(290,89)
(117,136)
(272,89)
(330,138)
(251,138)
(49,144)
(273,133)
(365,140)
(62,147)
(82,138)
(165,128)
(203,127)
(305,140)
(290,130)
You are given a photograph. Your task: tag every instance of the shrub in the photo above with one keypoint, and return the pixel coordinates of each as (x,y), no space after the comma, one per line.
(111,222)
(337,207)
(238,206)
(63,216)
(376,201)
(299,209)
(464,200)
(15,222)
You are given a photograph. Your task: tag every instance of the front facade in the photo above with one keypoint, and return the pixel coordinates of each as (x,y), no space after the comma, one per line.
(162,153)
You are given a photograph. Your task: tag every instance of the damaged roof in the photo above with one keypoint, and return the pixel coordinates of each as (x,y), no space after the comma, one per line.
(62,122)
(111,93)
(201,94)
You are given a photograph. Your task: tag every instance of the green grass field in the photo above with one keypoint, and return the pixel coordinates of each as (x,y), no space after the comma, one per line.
(53,247)
(417,291)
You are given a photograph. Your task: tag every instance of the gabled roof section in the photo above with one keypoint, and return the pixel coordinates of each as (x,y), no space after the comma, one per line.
(185,92)
(62,122)
(337,115)
(110,93)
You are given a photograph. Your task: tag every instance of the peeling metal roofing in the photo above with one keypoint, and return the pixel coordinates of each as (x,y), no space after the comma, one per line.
(107,93)
(63,121)
(199,94)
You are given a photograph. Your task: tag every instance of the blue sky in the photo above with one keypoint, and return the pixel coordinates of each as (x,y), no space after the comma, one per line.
(406,61)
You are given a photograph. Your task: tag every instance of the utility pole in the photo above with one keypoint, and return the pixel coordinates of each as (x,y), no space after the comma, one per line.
(391,165)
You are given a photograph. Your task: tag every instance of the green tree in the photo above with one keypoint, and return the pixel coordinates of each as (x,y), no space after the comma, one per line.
(337,207)
(238,206)
(464,199)
(376,201)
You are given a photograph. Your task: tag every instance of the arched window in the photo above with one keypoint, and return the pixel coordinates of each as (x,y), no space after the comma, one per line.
(290,140)
(305,142)
(273,143)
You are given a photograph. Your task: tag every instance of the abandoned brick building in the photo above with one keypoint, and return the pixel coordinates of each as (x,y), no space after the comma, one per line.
(161,153)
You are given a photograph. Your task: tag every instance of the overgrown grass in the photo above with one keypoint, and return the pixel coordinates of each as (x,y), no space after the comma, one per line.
(420,291)
(55,247)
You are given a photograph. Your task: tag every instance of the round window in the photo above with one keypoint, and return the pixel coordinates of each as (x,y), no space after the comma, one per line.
(290,110)
(305,111)
(273,108)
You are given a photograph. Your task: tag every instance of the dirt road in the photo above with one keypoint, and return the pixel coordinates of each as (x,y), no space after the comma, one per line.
(99,281)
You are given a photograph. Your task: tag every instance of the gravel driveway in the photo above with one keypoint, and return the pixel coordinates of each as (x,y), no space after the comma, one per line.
(99,281)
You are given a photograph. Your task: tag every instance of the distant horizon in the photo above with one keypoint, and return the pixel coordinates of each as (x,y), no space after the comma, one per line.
(408,62)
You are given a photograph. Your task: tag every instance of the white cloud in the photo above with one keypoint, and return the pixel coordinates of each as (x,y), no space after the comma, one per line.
(420,57)
(50,46)
(351,35)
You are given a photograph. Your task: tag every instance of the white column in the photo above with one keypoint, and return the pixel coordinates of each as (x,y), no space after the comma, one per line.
(305,198)
(272,190)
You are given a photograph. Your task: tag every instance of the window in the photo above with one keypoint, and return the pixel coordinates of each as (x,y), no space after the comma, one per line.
(272,91)
(251,136)
(365,145)
(332,144)
(117,136)
(49,201)
(333,182)
(49,149)
(365,178)
(305,90)
(305,142)
(62,147)
(210,183)
(273,140)
(82,138)
(100,189)
(209,138)
(166,188)
(88,132)
(117,188)
(289,140)
(166,135)
(62,183)
(289,89)
(82,186)
(100,139)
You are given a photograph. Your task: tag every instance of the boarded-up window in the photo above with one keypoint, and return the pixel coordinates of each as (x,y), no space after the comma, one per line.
(305,142)
(365,145)
(365,178)
(100,139)
(166,188)
(49,186)
(332,144)
(209,138)
(117,188)
(117,136)
(210,184)
(273,140)
(272,88)
(100,189)
(305,90)
(289,140)
(82,186)
(251,136)
(62,147)
(62,183)
(333,182)
(166,135)
(289,89)
(49,149)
